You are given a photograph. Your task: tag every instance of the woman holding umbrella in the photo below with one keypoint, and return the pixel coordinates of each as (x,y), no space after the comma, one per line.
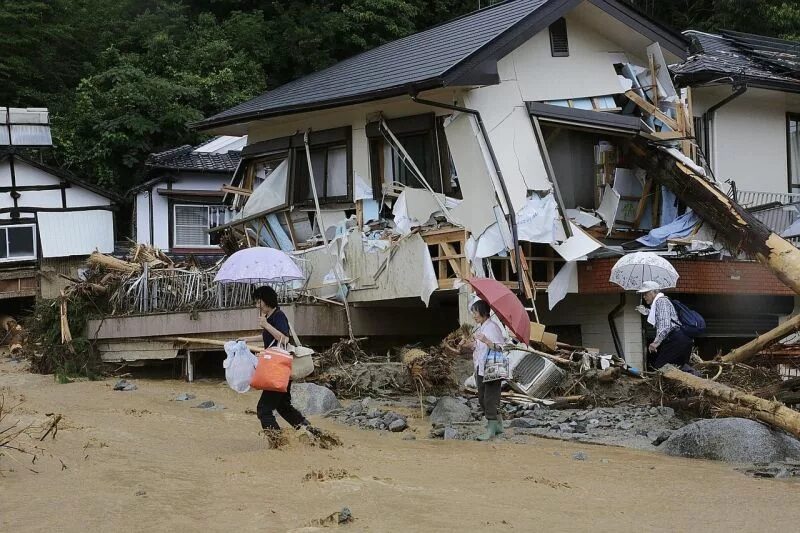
(487,337)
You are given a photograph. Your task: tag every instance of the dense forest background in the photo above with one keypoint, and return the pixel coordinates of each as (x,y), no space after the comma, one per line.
(123,78)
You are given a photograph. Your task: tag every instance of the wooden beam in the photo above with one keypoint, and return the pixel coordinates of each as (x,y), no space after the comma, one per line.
(752,348)
(652,110)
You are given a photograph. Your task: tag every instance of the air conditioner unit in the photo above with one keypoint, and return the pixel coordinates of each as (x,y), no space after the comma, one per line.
(534,375)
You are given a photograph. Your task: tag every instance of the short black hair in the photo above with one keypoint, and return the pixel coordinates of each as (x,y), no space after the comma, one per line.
(482,308)
(267,295)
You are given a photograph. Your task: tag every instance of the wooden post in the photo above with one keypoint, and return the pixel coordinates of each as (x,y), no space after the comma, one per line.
(737,403)
(752,348)
(189,367)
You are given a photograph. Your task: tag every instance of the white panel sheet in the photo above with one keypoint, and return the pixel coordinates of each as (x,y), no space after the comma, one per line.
(64,234)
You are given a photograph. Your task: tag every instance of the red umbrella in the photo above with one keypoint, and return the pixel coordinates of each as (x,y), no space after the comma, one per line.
(505,305)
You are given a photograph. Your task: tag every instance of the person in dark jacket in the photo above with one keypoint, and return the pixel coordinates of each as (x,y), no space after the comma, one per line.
(671,345)
(275,332)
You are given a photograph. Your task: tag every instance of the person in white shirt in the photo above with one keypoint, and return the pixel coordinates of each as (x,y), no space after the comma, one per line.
(488,336)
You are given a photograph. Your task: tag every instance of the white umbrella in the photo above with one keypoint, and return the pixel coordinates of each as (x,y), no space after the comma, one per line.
(634,269)
(259,265)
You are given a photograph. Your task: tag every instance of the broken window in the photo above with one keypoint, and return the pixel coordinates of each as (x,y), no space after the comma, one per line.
(330,174)
(18,243)
(193,222)
(559,43)
(422,137)
(793,141)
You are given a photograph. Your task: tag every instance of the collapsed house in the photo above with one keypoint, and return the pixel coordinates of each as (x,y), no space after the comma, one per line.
(501,144)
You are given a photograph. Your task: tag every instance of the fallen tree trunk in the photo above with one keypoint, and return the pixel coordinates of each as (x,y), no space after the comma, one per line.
(112,263)
(737,403)
(738,228)
(752,348)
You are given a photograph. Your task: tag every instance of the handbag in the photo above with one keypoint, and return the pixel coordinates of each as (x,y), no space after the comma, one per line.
(302,362)
(273,371)
(496,366)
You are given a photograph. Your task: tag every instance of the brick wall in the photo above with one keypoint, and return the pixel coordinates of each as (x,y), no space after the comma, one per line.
(696,277)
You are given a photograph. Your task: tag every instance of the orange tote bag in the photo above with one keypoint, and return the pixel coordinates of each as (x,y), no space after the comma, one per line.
(273,370)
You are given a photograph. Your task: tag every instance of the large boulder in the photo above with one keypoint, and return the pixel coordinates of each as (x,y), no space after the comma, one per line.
(733,440)
(312,399)
(449,410)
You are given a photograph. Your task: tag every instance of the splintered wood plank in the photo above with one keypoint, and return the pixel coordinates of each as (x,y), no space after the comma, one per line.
(450,252)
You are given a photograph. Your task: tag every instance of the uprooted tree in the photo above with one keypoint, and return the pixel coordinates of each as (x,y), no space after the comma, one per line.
(739,229)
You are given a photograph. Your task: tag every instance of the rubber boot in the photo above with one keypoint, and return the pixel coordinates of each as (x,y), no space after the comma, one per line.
(499,426)
(493,427)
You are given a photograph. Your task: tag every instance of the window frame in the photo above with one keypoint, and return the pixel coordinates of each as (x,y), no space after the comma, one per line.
(35,255)
(299,158)
(791,117)
(174,225)
(436,167)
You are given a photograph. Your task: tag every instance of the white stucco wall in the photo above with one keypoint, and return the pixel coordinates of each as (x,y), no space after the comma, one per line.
(748,136)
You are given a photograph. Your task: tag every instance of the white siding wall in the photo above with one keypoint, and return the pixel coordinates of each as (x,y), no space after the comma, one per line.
(587,71)
(749,136)
(27,175)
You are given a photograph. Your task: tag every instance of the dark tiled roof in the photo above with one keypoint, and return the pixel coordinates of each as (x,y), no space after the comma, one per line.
(185,158)
(737,57)
(422,58)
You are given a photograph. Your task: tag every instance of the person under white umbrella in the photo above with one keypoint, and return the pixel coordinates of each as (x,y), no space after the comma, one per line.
(671,345)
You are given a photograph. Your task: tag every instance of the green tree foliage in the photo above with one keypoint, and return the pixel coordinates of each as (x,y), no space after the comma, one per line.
(123,78)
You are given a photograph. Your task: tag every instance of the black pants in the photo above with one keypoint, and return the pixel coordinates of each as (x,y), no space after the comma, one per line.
(674,350)
(489,396)
(282,402)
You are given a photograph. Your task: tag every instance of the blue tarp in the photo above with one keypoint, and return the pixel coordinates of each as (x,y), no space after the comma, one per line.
(680,227)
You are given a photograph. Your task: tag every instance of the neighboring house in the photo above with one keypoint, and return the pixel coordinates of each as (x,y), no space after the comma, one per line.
(49,220)
(746,104)
(183,199)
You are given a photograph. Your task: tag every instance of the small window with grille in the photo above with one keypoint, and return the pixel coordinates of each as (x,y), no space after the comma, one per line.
(559,43)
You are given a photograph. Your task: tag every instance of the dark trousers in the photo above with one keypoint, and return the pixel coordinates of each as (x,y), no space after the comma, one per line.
(282,402)
(489,396)
(674,350)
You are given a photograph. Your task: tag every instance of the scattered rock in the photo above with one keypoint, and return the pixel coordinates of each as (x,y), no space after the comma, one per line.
(625,426)
(210,406)
(140,493)
(184,397)
(734,440)
(524,423)
(580,456)
(312,399)
(449,410)
(409,436)
(125,385)
(604,461)
(450,433)
(398,425)
(661,438)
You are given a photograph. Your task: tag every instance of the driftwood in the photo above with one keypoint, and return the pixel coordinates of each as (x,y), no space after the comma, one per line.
(736,403)
(108,262)
(752,348)
(736,226)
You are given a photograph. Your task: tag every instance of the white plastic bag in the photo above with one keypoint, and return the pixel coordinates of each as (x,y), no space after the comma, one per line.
(239,365)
